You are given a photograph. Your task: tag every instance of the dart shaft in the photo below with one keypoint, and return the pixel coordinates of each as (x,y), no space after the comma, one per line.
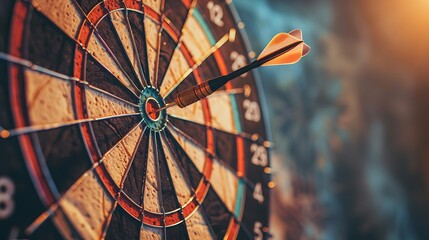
(205,89)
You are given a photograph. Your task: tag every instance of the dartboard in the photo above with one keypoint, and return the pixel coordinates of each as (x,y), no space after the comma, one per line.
(83,152)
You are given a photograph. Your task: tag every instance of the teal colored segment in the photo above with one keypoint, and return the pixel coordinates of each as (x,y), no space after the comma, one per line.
(240,193)
(204,25)
(236,116)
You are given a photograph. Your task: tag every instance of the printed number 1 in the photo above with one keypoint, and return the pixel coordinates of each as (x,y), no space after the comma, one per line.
(216,13)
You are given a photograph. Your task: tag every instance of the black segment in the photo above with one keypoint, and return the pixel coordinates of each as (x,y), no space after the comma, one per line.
(98,76)
(196,132)
(109,132)
(169,196)
(53,49)
(48,230)
(189,170)
(6,11)
(217,213)
(137,26)
(209,68)
(225,143)
(65,155)
(177,232)
(176,11)
(165,55)
(226,148)
(123,226)
(135,180)
(108,33)
(87,5)
(5,111)
(244,233)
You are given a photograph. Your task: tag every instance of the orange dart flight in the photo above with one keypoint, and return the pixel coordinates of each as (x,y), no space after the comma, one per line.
(280,41)
(284,48)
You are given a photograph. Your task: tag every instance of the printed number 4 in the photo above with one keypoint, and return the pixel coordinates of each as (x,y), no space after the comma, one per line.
(257,193)
(257,231)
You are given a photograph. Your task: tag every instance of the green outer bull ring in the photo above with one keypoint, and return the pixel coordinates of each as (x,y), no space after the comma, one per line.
(147,94)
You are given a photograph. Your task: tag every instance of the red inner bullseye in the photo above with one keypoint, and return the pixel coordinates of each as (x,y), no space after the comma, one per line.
(151,106)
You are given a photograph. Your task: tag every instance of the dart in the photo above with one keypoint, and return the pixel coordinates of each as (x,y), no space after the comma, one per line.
(80,86)
(284,48)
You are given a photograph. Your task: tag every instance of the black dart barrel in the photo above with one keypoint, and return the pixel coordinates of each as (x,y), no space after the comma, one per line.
(205,89)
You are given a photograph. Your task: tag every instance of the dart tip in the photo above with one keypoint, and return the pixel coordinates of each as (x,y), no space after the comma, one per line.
(155,111)
(170,104)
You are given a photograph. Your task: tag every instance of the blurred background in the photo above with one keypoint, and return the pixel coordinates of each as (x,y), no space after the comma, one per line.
(350,122)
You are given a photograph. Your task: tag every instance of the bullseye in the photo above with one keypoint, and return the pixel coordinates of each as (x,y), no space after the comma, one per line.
(150,101)
(151,106)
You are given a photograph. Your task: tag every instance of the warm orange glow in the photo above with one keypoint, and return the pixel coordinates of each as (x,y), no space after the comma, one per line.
(401,30)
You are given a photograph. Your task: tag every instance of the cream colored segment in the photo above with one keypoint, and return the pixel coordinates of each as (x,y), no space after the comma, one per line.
(197,227)
(48,99)
(118,158)
(178,66)
(151,200)
(150,233)
(151,33)
(193,113)
(225,183)
(221,103)
(183,190)
(101,105)
(196,154)
(154,4)
(88,206)
(56,11)
(195,38)
(121,26)
(99,52)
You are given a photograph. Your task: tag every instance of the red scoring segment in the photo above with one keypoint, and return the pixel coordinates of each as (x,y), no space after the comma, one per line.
(151,106)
